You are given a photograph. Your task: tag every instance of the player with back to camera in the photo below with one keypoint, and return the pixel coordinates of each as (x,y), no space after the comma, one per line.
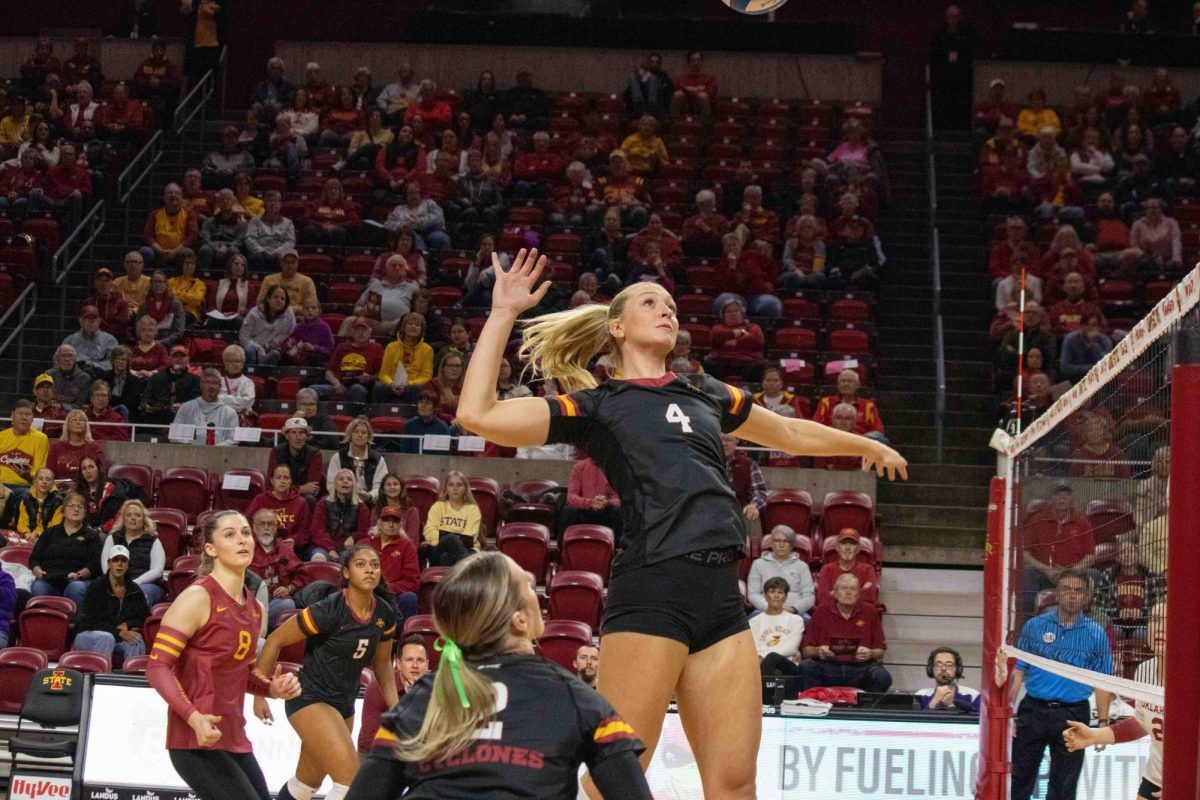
(346,631)
(202,663)
(1148,718)
(656,436)
(497,720)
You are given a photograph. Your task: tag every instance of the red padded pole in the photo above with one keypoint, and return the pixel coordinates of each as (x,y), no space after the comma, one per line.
(994,710)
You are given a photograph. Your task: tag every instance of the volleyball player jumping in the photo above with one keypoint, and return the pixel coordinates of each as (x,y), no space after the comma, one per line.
(202,663)
(656,435)
(497,720)
(346,631)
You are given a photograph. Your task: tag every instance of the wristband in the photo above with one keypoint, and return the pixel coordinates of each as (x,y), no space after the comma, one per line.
(258,684)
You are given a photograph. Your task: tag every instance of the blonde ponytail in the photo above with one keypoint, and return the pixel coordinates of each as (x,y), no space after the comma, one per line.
(560,345)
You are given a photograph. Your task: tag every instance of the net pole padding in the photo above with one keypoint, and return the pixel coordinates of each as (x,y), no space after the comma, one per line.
(1181,734)
(1170,310)
(995,713)
(1021,352)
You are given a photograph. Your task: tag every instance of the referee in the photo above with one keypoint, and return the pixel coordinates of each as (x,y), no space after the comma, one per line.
(1066,635)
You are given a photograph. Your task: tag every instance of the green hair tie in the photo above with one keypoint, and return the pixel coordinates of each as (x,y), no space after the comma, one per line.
(452,654)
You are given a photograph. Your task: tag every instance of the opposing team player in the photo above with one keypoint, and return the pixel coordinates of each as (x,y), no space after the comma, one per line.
(202,663)
(497,720)
(657,438)
(1147,719)
(346,631)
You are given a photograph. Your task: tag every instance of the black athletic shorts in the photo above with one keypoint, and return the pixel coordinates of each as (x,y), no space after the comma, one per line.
(695,603)
(344,706)
(1147,789)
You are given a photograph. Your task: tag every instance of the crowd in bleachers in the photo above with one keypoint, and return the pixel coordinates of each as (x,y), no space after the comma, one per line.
(323,273)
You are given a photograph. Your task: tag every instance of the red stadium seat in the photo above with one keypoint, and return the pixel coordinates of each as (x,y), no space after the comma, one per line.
(445,296)
(321,571)
(850,309)
(423,491)
(343,294)
(170,526)
(139,475)
(588,548)
(801,308)
(182,574)
(17,668)
(701,334)
(426,628)
(456,268)
(430,578)
(563,243)
(45,231)
(316,264)
(85,661)
(848,510)
(1046,598)
(527,543)
(531,490)
(16,554)
(1110,519)
(694,304)
(561,640)
(150,628)
(517,215)
(795,339)
(487,496)
(240,499)
(187,489)
(577,595)
(791,507)
(360,264)
(848,341)
(135,665)
(63,604)
(1106,555)
(45,629)
(538,513)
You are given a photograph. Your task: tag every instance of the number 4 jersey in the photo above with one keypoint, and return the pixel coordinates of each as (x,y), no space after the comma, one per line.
(659,444)
(547,723)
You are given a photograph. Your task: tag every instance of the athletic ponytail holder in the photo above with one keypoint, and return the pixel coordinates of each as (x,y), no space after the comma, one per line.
(452,655)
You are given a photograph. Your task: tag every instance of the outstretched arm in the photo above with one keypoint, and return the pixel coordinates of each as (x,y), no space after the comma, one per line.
(523,421)
(802,437)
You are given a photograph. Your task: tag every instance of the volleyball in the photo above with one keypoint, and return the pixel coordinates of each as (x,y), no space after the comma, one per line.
(754,6)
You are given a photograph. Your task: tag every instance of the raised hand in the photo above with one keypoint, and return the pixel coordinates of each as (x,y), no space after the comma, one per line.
(517,290)
(886,461)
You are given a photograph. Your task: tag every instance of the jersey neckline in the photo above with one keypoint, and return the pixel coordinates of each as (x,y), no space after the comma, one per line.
(656,383)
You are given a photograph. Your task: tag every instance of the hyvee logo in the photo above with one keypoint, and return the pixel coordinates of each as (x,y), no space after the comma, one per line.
(106,794)
(39,788)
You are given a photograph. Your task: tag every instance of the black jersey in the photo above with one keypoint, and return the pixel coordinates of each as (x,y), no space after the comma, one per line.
(340,645)
(547,723)
(659,444)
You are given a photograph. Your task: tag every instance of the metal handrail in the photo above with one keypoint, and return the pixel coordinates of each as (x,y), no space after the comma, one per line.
(205,86)
(26,306)
(939,337)
(152,151)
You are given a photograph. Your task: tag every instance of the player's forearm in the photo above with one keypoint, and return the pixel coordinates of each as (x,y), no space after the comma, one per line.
(807,438)
(479,385)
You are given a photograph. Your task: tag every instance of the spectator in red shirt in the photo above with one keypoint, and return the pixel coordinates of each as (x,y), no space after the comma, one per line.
(1054,540)
(844,418)
(1014,246)
(569,203)
(124,119)
(747,276)
(1160,101)
(668,243)
(622,189)
(997,106)
(353,365)
(395,161)
(67,185)
(74,444)
(439,185)
(110,304)
(398,559)
(1098,457)
(695,89)
(196,198)
(737,344)
(1058,194)
(99,410)
(1067,314)
(331,218)
(702,231)
(755,222)
(411,664)
(435,111)
(291,512)
(1051,268)
(157,78)
(20,190)
(1006,188)
(536,171)
(590,498)
(844,644)
(651,268)
(320,92)
(848,548)
(276,562)
(869,422)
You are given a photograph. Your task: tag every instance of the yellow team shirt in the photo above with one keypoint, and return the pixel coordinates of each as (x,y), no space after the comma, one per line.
(169,230)
(13,131)
(134,292)
(418,363)
(28,452)
(190,292)
(442,517)
(1029,122)
(644,154)
(206,25)
(300,288)
(31,528)
(250,206)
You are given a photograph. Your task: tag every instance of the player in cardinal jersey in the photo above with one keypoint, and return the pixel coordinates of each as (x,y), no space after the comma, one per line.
(497,720)
(1148,716)
(202,663)
(657,437)
(346,631)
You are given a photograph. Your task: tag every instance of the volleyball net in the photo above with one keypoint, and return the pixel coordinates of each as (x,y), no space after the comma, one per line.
(1082,521)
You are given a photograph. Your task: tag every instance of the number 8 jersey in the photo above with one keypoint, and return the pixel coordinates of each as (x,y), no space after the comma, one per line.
(658,441)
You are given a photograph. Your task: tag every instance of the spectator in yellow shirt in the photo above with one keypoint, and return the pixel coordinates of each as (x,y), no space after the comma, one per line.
(169,229)
(645,148)
(134,285)
(23,451)
(186,287)
(300,288)
(452,526)
(14,128)
(410,350)
(1037,116)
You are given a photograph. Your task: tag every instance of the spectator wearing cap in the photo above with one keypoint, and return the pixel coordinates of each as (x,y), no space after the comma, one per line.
(988,114)
(114,610)
(134,285)
(301,458)
(745,477)
(134,529)
(353,365)
(168,389)
(848,383)
(45,406)
(23,450)
(848,548)
(267,327)
(1055,540)
(300,288)
(70,383)
(398,560)
(425,423)
(269,237)
(110,304)
(212,421)
(591,500)
(67,553)
(844,643)
(221,166)
(169,229)
(778,632)
(781,562)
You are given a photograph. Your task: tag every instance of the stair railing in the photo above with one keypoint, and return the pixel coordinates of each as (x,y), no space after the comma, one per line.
(139,168)
(73,248)
(18,316)
(939,337)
